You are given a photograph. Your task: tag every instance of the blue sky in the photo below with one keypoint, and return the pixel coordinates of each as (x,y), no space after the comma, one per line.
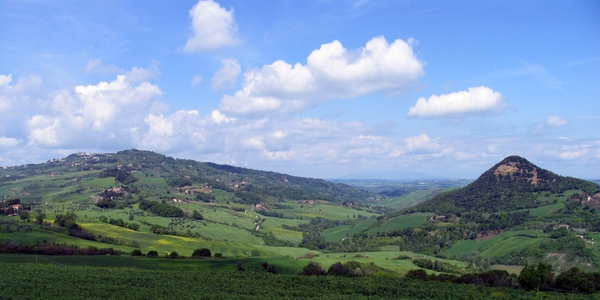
(313,88)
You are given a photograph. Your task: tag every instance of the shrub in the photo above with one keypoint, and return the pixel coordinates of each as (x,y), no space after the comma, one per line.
(136,252)
(173,255)
(152,253)
(240,266)
(203,252)
(255,253)
(312,268)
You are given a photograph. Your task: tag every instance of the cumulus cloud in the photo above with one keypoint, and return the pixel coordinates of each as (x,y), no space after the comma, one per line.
(331,71)
(421,143)
(212,27)
(556,121)
(475,100)
(97,114)
(8,142)
(227,75)
(218,117)
(17,92)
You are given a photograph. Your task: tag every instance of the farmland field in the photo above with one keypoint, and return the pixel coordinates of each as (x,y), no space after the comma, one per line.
(76,282)
(496,245)
(401,222)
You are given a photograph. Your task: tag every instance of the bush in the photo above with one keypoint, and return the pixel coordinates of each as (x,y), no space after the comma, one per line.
(312,268)
(136,252)
(152,253)
(240,266)
(173,255)
(203,252)
(218,255)
(255,253)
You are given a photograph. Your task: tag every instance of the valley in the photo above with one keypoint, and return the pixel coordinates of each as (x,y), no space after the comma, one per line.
(515,214)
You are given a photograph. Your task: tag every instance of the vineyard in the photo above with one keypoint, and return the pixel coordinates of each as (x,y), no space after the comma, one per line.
(30,281)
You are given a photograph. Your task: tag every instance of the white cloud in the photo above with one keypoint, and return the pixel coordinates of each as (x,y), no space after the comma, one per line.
(196,80)
(108,113)
(158,125)
(5,80)
(421,143)
(18,92)
(96,66)
(331,72)
(212,27)
(556,121)
(43,131)
(219,118)
(227,75)
(475,100)
(8,142)
(135,75)
(574,154)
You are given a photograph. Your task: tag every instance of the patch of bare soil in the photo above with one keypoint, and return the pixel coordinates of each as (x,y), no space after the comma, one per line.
(487,236)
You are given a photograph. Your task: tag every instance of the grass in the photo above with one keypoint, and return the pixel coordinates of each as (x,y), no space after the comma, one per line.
(468,246)
(511,245)
(285,264)
(408,200)
(336,234)
(401,222)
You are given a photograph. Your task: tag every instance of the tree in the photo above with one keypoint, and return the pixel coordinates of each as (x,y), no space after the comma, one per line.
(40,217)
(197,216)
(152,253)
(24,215)
(576,281)
(529,279)
(136,252)
(312,268)
(173,255)
(203,252)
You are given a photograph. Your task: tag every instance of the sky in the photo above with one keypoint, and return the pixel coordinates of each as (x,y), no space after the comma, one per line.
(324,89)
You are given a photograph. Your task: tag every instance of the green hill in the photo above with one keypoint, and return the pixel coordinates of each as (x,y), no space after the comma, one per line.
(514,183)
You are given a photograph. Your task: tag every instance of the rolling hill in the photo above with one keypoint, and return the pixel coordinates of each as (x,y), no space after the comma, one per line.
(513,183)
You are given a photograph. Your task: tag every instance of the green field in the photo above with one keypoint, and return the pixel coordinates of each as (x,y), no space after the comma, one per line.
(30,281)
(407,200)
(336,234)
(401,222)
(501,244)
(511,245)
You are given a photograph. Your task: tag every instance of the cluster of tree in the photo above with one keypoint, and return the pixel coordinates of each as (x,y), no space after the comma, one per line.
(205,197)
(438,266)
(248,197)
(270,213)
(69,221)
(348,269)
(179,182)
(271,240)
(120,175)
(120,222)
(54,249)
(161,209)
(491,278)
(573,280)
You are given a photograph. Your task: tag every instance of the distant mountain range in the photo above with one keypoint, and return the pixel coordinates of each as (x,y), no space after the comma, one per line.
(390,175)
